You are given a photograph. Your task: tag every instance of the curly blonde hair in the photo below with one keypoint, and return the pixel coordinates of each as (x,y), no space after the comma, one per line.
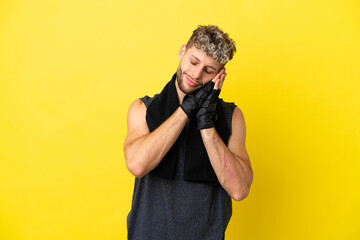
(214,42)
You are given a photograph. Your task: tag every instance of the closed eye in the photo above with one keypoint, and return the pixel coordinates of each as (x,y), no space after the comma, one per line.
(208,72)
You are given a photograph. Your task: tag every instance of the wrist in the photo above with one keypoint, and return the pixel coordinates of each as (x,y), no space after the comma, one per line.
(182,114)
(208,132)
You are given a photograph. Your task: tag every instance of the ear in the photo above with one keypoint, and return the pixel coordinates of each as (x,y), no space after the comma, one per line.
(182,52)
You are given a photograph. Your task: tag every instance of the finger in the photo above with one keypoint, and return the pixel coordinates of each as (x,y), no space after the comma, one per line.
(217,79)
(222,71)
(221,80)
(216,86)
(217,76)
(218,82)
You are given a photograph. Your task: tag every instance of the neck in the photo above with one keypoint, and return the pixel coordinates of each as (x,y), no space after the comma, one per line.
(180,93)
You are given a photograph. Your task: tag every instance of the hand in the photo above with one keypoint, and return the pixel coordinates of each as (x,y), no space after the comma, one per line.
(192,103)
(219,79)
(205,116)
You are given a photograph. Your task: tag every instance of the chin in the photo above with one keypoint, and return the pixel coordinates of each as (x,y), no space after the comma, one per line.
(182,83)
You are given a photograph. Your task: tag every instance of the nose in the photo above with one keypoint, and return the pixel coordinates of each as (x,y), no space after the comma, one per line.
(197,73)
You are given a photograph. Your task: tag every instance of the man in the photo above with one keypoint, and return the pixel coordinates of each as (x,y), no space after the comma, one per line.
(186,148)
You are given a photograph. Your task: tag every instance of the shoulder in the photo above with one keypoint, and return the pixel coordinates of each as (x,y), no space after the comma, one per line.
(148,100)
(136,120)
(232,109)
(238,116)
(235,119)
(237,138)
(141,104)
(227,106)
(228,109)
(136,114)
(136,106)
(238,127)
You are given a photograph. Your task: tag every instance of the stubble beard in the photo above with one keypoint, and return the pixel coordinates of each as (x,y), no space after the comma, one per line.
(180,81)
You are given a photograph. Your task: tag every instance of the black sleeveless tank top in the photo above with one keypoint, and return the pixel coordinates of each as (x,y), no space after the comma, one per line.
(164,209)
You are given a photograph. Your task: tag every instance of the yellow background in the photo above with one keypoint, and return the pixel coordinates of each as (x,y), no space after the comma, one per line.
(69,70)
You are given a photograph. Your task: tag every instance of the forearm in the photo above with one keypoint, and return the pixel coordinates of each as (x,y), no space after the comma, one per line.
(144,153)
(233,173)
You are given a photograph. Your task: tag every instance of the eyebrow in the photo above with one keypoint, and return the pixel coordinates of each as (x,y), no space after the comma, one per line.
(206,65)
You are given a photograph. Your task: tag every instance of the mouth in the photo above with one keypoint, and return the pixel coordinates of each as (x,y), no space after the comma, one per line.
(191,82)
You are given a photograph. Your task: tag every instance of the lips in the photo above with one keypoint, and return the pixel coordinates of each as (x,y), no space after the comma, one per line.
(191,82)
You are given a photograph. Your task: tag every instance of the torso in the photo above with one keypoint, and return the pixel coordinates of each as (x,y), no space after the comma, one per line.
(178,209)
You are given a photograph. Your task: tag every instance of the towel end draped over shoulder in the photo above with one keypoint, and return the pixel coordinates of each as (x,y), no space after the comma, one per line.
(197,166)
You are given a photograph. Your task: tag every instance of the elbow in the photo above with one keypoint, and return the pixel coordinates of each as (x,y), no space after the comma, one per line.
(138,174)
(134,167)
(240,195)
(135,170)
(242,192)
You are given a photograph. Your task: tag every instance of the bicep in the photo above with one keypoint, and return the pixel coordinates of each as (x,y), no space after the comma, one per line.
(136,122)
(236,143)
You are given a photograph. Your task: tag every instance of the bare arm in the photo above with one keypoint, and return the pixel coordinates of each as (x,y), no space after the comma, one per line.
(144,150)
(231,163)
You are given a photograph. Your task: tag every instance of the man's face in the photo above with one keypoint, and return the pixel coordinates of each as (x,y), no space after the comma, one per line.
(195,69)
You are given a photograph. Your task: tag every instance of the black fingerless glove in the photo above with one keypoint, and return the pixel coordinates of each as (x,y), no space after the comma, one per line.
(192,103)
(205,117)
